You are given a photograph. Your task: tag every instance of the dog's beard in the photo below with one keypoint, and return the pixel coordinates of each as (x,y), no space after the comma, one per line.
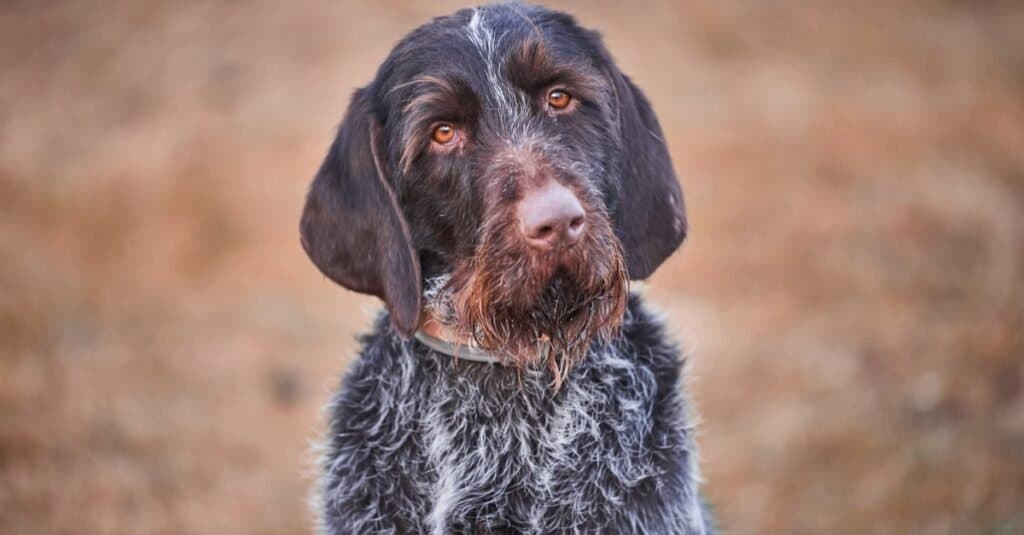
(536,309)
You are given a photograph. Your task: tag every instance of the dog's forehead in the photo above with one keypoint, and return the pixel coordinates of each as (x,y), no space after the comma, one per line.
(491,32)
(476,44)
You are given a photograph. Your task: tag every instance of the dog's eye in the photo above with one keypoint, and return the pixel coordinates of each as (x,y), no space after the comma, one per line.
(444,133)
(559,99)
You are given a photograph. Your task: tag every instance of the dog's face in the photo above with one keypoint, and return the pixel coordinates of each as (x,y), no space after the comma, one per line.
(501,152)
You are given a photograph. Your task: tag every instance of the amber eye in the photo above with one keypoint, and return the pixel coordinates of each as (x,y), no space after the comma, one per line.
(444,133)
(559,99)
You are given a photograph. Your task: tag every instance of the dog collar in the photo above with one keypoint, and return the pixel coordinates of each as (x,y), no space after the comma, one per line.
(459,351)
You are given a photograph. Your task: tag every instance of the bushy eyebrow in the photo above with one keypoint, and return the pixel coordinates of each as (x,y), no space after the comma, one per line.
(533,67)
(432,98)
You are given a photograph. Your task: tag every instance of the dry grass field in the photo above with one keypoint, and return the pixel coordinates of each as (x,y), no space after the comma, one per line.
(852,292)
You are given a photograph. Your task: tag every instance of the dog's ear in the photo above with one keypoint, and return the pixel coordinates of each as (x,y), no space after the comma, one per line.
(650,216)
(352,226)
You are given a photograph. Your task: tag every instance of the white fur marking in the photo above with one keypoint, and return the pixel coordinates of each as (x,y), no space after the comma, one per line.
(510,104)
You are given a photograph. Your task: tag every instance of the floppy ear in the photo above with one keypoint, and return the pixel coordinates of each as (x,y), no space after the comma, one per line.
(650,217)
(352,227)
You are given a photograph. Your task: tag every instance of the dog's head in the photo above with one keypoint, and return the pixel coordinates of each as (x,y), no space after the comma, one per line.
(501,151)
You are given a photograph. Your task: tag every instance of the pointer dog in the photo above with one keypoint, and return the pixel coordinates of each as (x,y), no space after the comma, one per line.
(497,185)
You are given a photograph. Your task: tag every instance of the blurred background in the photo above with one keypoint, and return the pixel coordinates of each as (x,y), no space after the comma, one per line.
(852,292)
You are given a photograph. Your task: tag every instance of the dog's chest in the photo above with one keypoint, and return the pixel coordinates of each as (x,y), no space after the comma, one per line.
(420,443)
(521,457)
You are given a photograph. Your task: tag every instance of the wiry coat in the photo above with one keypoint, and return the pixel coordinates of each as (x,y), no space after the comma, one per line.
(421,443)
(596,439)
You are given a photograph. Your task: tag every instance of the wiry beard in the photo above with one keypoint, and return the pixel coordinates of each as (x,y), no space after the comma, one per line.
(534,308)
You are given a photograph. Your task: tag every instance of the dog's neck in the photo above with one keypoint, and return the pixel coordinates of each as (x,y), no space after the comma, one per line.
(439,337)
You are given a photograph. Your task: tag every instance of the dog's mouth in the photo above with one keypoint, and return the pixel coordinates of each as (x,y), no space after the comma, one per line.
(536,308)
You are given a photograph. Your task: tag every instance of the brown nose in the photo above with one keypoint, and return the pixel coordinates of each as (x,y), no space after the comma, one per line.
(551,216)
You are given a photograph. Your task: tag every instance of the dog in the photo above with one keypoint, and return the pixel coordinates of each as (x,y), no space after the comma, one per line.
(497,185)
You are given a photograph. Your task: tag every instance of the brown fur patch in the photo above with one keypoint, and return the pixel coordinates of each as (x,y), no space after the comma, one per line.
(517,301)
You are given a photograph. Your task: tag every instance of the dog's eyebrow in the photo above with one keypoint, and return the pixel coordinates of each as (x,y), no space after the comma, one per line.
(532,67)
(434,98)
(426,79)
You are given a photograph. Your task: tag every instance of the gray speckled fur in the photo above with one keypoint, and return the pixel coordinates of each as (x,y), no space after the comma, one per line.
(419,443)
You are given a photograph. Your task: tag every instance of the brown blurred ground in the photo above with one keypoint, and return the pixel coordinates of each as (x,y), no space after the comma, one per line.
(852,291)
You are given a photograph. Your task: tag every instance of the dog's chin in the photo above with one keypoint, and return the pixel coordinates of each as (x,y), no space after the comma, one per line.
(539,310)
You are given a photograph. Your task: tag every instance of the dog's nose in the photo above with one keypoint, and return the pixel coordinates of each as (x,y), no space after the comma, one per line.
(551,216)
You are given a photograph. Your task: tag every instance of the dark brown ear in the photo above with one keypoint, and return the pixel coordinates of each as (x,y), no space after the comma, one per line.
(352,227)
(650,217)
